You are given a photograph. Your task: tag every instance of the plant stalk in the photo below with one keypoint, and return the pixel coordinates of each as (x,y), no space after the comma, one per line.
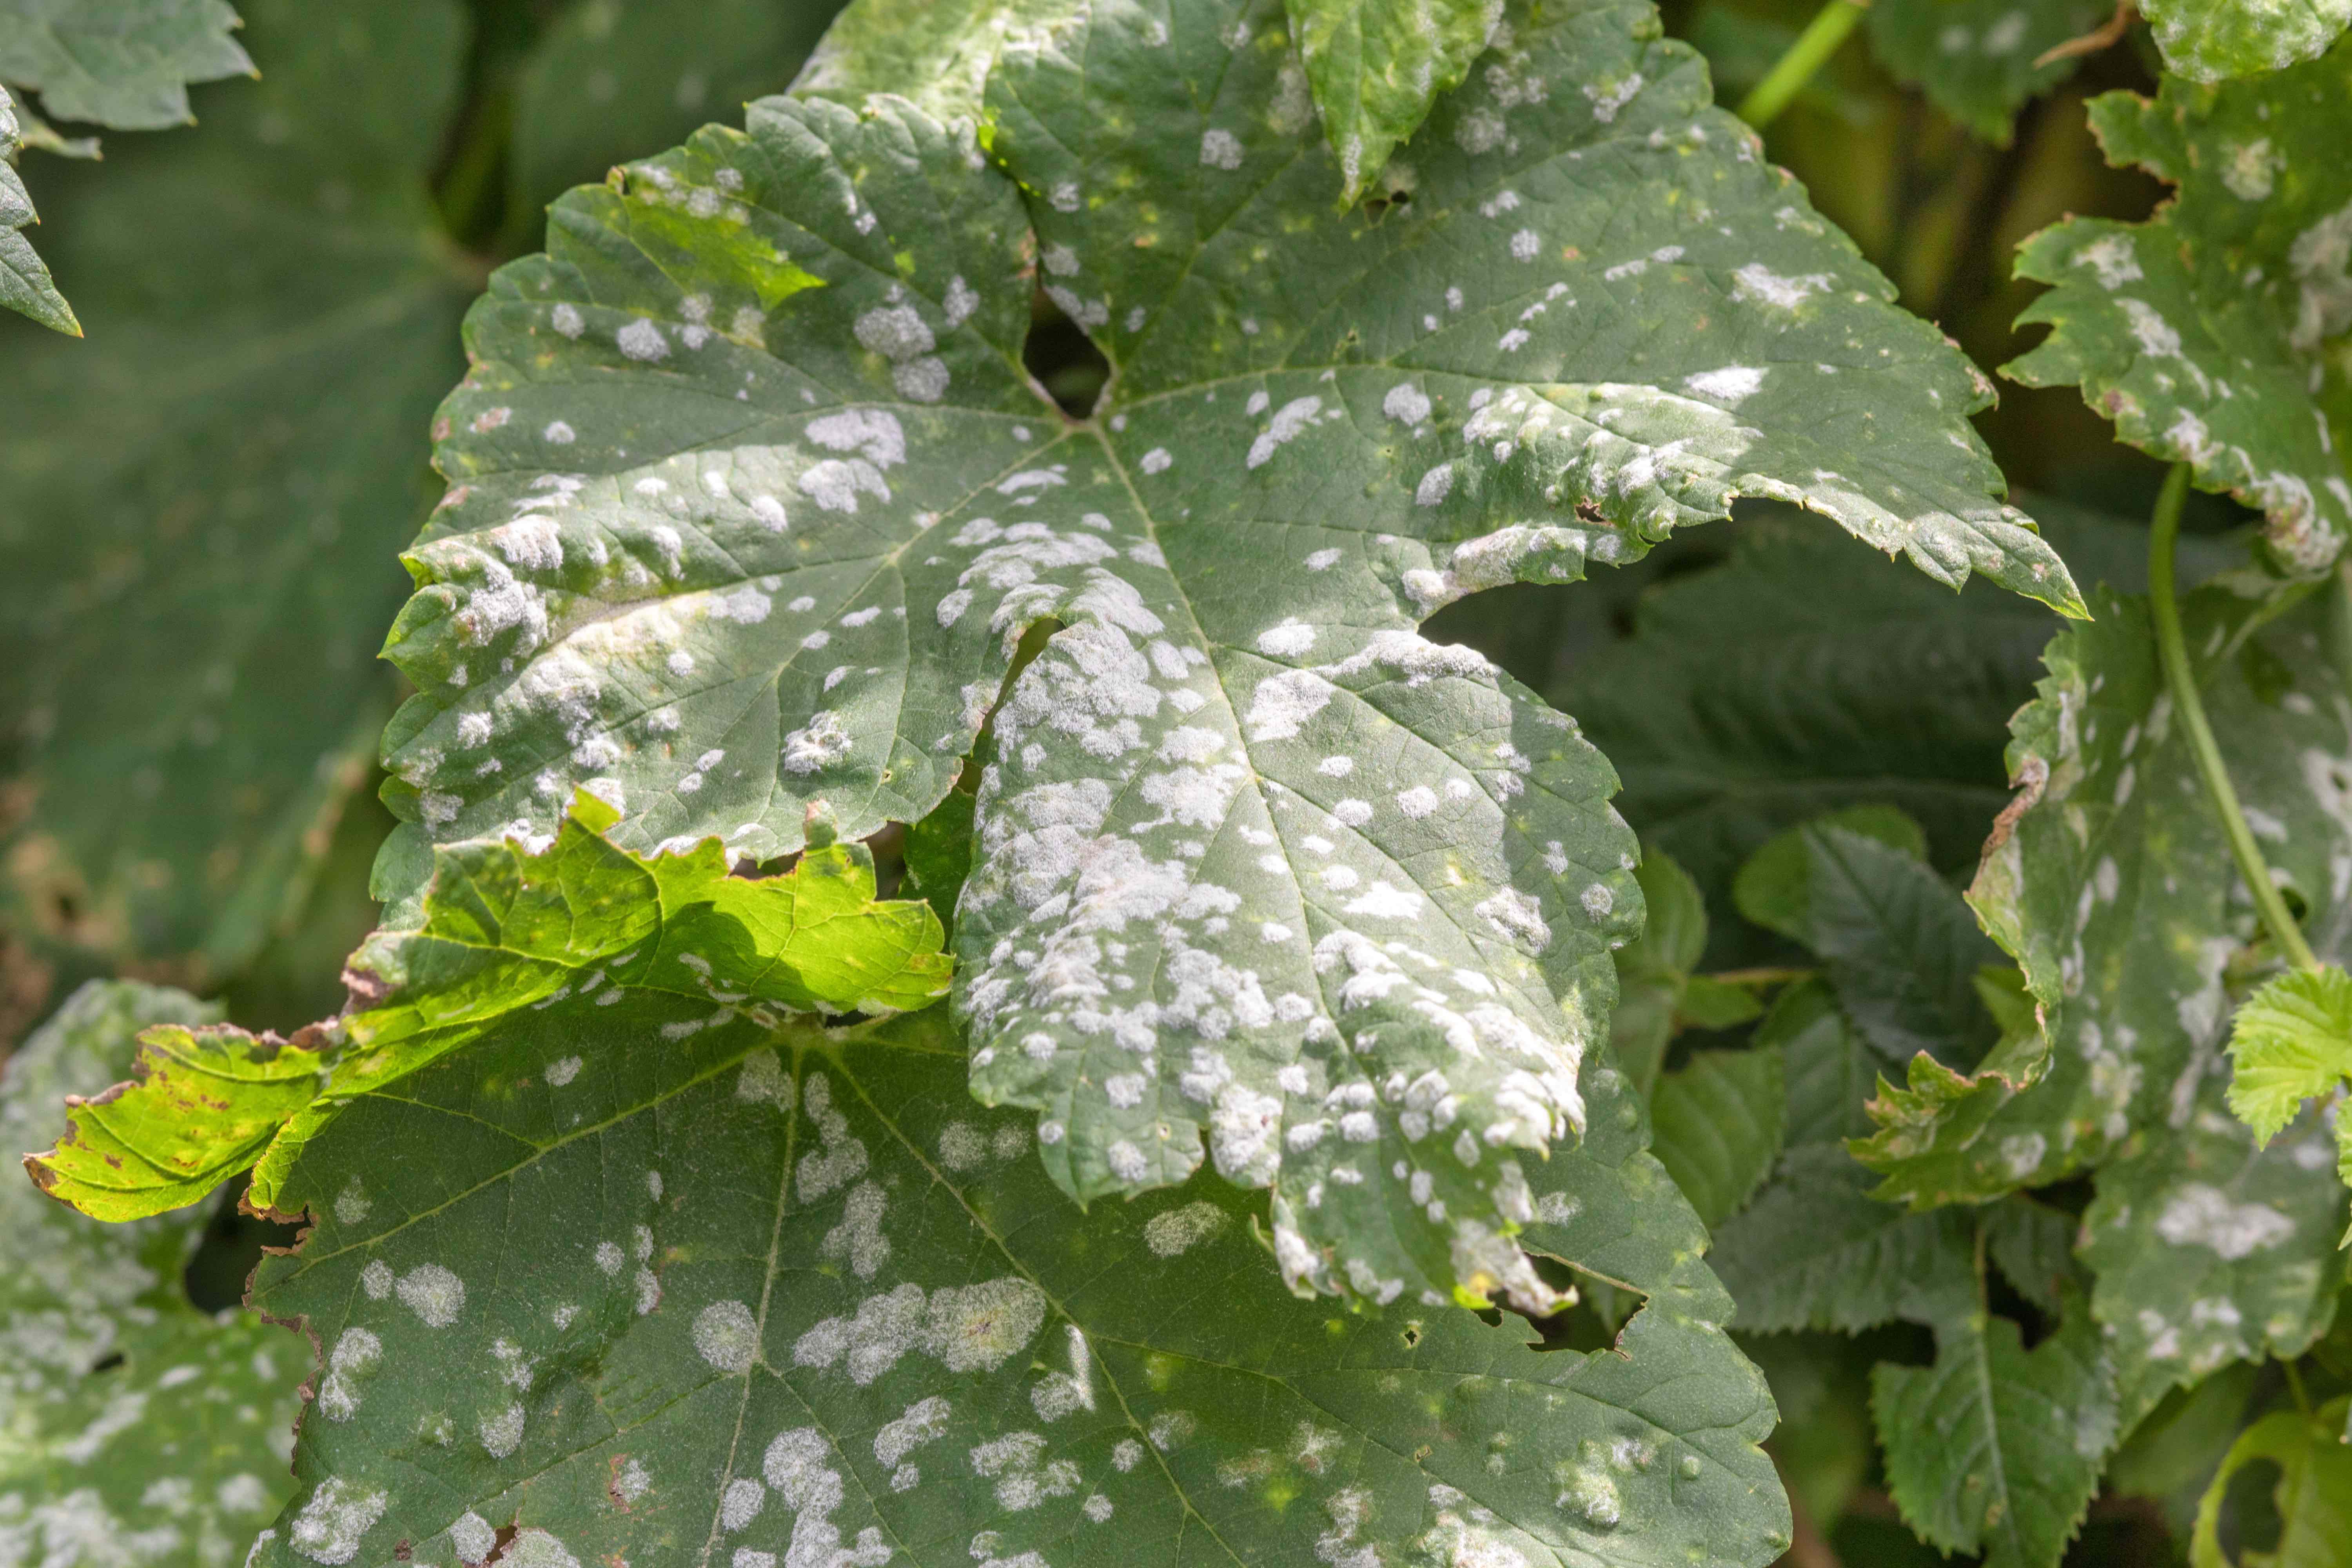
(2164,535)
(1792,71)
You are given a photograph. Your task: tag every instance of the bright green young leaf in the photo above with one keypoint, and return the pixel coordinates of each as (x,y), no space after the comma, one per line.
(753,501)
(1903,950)
(2110,880)
(1816,1251)
(1927,1132)
(25,284)
(2209,40)
(1774,887)
(571,924)
(1976,59)
(125,64)
(2313,1498)
(2208,1249)
(2209,332)
(200,1106)
(1715,1126)
(1995,1448)
(1374,65)
(133,1428)
(792,1296)
(2291,1041)
(203,499)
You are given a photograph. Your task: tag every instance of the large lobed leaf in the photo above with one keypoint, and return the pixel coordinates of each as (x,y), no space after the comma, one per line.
(204,498)
(133,1428)
(569,923)
(2209,332)
(760,1296)
(753,503)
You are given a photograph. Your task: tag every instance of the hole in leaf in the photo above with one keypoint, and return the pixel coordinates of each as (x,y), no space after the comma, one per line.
(1411,1335)
(227,1255)
(108,1362)
(1062,358)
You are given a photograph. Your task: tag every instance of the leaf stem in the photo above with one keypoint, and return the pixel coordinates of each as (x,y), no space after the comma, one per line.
(2164,535)
(2294,1386)
(1792,71)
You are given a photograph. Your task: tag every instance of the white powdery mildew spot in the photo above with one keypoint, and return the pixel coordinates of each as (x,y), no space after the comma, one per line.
(1221,149)
(797,1466)
(352,1205)
(641,339)
(472,1536)
(1288,420)
(331,1524)
(2202,1216)
(969,1329)
(376,1280)
(1016,1462)
(858,1237)
(1179,1229)
(500,1431)
(1406,404)
(727,1336)
(562,1071)
(925,1421)
(1291,639)
(435,1294)
(741,1502)
(1732,384)
(762,1082)
(1758,283)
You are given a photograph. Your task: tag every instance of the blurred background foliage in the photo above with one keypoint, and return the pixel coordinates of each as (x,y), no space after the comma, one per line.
(272,300)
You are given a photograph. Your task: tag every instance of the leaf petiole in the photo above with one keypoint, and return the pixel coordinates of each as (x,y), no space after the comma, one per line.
(1793,70)
(2164,534)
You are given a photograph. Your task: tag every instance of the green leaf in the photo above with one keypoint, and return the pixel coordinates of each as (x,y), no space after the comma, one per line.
(2291,1041)
(606,81)
(936,54)
(2033,1244)
(2208,1249)
(1716,1126)
(2313,1496)
(125,64)
(1800,676)
(1653,969)
(1927,1132)
(1996,1448)
(24,285)
(762,1291)
(2207,40)
(2206,334)
(203,499)
(200,1106)
(1902,949)
(134,1422)
(938,853)
(1375,65)
(1830,1067)
(568,924)
(1774,889)
(1975,59)
(2110,880)
(674,584)
(1816,1251)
